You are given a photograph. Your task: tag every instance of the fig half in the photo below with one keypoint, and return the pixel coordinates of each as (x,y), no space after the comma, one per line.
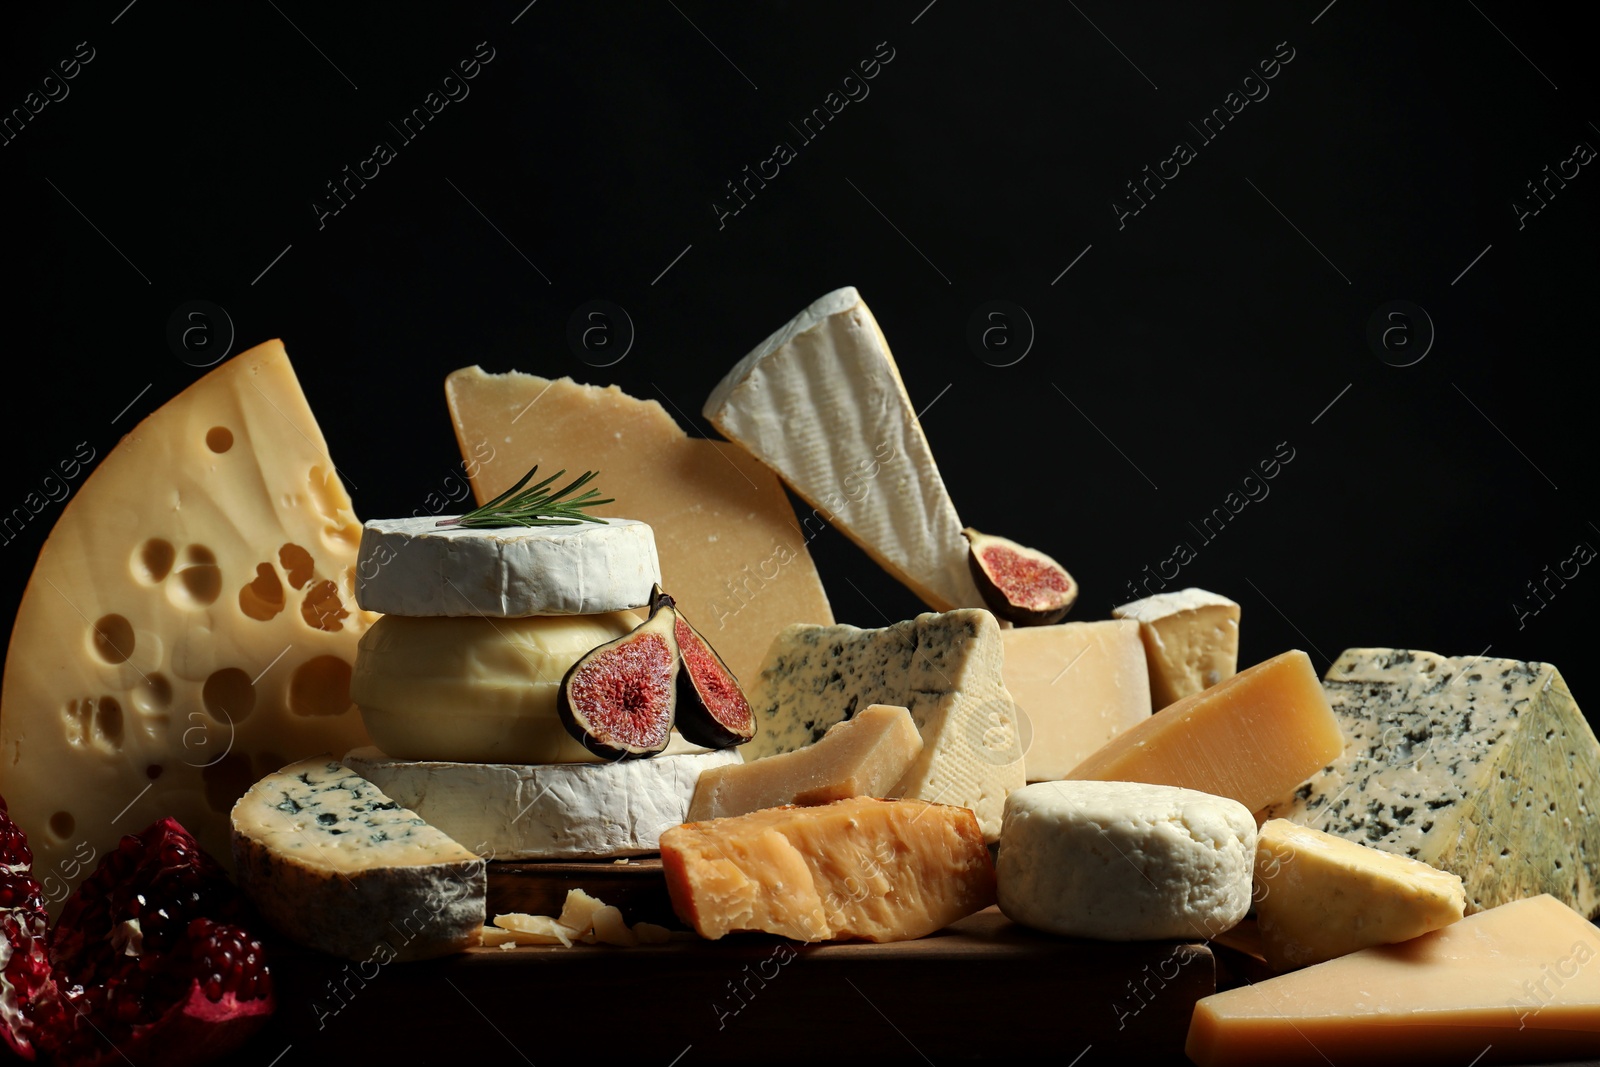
(1018,583)
(712,709)
(620,698)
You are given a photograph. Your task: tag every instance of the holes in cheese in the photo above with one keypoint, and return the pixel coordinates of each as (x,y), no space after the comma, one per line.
(153,560)
(263,597)
(62,824)
(322,609)
(219,438)
(297,564)
(112,637)
(320,687)
(199,578)
(228,695)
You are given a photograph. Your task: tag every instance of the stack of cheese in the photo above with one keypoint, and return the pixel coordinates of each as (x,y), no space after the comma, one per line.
(458,684)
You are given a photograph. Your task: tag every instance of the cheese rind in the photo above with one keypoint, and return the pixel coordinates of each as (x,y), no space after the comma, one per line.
(945,668)
(1077,685)
(1319,896)
(1482,767)
(877,870)
(864,756)
(546,811)
(1191,640)
(338,866)
(415,567)
(733,555)
(1125,861)
(1251,737)
(821,402)
(1520,977)
(189,625)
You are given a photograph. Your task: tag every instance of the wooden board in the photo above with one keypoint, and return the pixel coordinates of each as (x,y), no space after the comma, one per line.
(984,989)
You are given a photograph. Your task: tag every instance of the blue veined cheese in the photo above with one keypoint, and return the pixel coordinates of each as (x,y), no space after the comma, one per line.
(338,866)
(1481,767)
(944,668)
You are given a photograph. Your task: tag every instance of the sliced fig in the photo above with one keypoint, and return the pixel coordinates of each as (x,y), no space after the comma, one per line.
(712,709)
(1020,584)
(619,700)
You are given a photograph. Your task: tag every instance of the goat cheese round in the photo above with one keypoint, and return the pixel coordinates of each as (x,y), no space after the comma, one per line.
(416,567)
(1124,861)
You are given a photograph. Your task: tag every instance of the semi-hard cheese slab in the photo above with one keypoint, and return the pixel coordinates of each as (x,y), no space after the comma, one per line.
(1191,640)
(1482,767)
(733,555)
(822,403)
(190,624)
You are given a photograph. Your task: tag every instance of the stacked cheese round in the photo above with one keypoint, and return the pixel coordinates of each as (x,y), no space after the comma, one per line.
(458,684)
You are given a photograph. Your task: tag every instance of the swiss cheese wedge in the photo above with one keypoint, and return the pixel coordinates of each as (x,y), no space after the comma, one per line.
(190,624)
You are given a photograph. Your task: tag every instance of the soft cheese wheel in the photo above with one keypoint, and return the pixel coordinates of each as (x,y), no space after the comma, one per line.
(547,811)
(475,690)
(414,566)
(1125,861)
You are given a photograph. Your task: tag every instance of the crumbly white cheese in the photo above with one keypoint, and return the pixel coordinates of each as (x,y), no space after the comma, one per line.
(1125,861)
(546,812)
(414,566)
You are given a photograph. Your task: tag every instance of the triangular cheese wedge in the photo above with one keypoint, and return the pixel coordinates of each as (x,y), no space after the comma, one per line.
(821,402)
(189,627)
(732,553)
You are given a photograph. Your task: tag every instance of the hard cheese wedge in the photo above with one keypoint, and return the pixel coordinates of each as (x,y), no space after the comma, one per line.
(1482,767)
(1320,896)
(338,866)
(1519,978)
(861,757)
(877,870)
(1191,640)
(1078,685)
(1250,738)
(189,626)
(821,402)
(732,553)
(946,668)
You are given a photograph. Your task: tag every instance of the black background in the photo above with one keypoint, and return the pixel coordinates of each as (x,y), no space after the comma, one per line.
(1176,354)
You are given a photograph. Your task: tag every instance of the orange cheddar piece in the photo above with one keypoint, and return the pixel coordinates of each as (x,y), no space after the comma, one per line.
(1253,737)
(877,870)
(1521,978)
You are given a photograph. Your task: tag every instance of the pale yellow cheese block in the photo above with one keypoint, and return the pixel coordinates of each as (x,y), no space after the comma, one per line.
(189,627)
(863,756)
(732,553)
(1319,896)
(1191,640)
(1079,684)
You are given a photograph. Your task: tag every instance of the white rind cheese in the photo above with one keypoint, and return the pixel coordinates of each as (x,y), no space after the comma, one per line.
(944,668)
(552,812)
(1125,861)
(416,567)
(1481,767)
(821,402)
(338,866)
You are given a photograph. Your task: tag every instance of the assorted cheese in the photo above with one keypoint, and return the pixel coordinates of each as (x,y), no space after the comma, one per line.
(1125,861)
(1191,641)
(874,870)
(1251,737)
(1320,896)
(864,756)
(821,402)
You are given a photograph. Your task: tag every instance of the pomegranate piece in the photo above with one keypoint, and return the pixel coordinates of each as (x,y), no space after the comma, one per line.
(712,709)
(1020,584)
(620,698)
(31,1011)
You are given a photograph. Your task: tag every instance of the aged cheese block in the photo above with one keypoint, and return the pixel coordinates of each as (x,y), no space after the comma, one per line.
(1481,767)
(1319,896)
(1191,640)
(877,870)
(560,811)
(338,866)
(1249,737)
(821,402)
(1518,979)
(190,624)
(415,566)
(864,756)
(732,553)
(1125,861)
(1078,685)
(946,668)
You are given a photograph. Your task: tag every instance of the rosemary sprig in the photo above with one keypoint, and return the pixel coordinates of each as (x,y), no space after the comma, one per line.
(537,505)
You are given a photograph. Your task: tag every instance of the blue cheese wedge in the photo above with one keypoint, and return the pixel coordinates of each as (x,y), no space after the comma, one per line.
(944,668)
(1481,767)
(338,866)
